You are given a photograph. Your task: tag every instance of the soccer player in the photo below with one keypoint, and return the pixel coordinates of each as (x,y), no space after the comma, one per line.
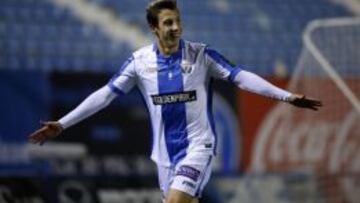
(175,77)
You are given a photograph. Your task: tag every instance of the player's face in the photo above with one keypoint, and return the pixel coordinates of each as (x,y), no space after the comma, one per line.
(169,28)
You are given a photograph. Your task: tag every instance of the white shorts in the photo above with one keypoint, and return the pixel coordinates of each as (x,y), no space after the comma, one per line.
(190,175)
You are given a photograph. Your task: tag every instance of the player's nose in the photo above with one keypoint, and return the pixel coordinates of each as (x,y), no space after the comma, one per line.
(175,27)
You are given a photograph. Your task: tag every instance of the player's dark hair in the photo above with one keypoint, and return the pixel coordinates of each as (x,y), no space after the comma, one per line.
(155,7)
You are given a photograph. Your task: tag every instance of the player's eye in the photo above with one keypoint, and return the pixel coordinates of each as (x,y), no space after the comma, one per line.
(168,22)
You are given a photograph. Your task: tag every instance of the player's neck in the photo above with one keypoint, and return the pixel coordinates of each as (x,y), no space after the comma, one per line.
(167,50)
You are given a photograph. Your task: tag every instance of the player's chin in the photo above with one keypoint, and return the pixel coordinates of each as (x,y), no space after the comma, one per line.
(173,42)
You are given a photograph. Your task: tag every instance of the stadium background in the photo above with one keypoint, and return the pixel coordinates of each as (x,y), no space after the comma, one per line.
(53,53)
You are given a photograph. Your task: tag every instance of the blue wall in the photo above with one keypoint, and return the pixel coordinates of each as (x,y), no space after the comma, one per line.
(24,102)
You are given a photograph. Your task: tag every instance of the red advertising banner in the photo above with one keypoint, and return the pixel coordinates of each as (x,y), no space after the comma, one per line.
(252,110)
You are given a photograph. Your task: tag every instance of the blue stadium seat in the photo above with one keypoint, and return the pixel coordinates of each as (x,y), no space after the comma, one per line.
(255,33)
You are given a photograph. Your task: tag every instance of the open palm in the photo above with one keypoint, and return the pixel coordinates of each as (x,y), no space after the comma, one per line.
(302,101)
(49,130)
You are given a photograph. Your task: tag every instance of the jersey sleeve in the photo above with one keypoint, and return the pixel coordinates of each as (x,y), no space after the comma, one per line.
(219,66)
(125,79)
(254,83)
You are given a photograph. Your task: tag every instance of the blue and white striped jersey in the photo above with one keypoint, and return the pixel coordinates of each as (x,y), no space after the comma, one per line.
(178,94)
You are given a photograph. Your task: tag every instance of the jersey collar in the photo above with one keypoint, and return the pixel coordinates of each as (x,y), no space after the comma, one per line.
(170,58)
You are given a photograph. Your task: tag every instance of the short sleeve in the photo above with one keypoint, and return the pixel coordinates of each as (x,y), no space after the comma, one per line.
(219,66)
(125,79)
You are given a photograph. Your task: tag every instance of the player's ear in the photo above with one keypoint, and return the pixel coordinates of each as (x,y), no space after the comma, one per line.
(154,30)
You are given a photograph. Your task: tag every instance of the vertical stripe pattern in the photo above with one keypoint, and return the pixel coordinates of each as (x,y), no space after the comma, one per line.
(170,80)
(210,111)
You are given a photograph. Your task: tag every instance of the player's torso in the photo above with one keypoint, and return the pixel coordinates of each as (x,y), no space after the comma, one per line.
(181,79)
(176,91)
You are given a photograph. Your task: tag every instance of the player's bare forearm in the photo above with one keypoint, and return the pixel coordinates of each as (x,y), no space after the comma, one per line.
(302,101)
(49,130)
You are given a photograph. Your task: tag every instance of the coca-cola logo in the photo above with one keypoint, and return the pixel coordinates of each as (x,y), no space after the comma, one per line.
(289,141)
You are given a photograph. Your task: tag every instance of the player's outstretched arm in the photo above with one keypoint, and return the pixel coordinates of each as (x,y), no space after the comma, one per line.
(254,83)
(92,104)
(49,130)
(302,101)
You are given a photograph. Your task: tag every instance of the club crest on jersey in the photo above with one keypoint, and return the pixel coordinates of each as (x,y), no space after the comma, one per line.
(186,67)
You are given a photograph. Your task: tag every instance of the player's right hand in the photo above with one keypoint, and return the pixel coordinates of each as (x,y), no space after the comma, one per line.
(50,130)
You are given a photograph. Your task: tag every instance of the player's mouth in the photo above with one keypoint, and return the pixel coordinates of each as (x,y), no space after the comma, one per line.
(175,35)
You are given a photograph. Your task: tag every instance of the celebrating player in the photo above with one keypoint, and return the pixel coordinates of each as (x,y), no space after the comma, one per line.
(175,77)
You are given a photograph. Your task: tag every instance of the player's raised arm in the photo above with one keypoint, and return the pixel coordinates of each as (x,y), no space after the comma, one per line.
(92,104)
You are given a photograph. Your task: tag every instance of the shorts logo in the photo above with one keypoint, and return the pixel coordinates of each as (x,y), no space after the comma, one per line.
(187,96)
(190,184)
(189,172)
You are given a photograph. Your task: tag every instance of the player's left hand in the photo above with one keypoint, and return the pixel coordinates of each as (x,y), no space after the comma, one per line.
(301,101)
